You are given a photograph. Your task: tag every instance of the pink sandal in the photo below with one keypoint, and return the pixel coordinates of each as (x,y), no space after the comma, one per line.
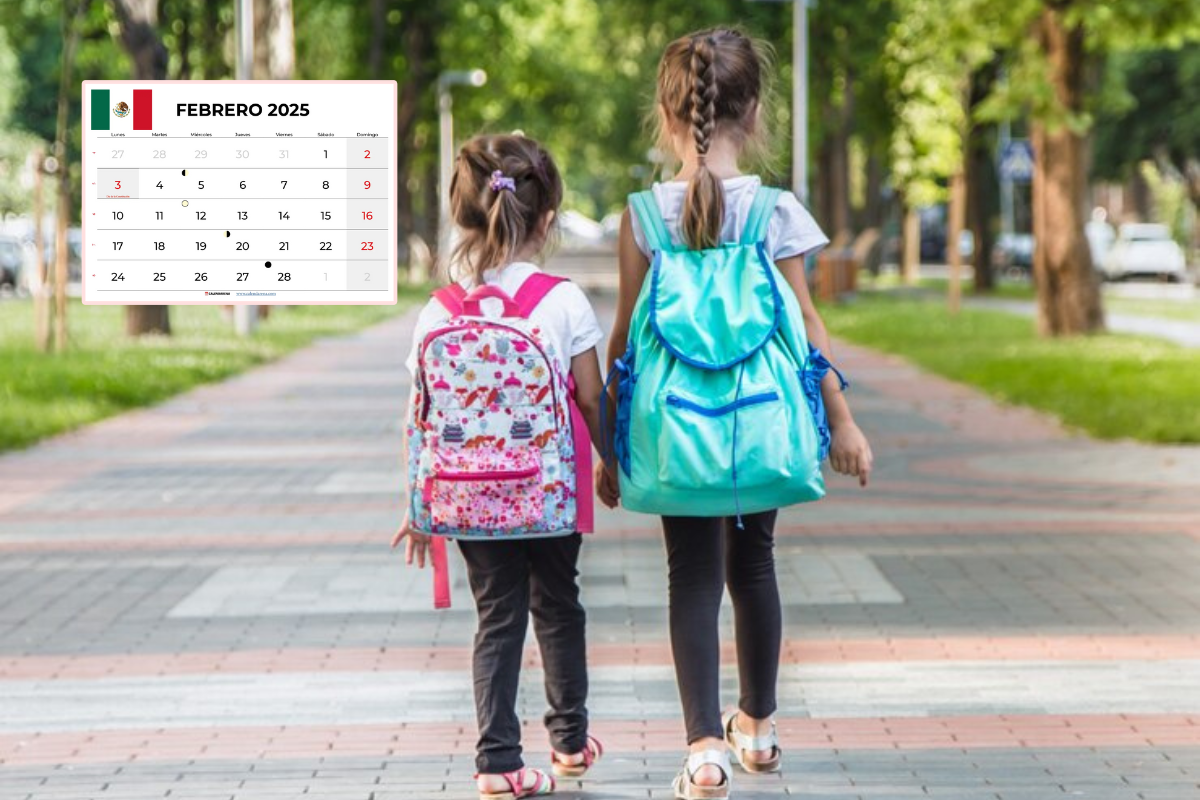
(591,754)
(516,785)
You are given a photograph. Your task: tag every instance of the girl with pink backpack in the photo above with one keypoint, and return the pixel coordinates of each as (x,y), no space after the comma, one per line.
(505,405)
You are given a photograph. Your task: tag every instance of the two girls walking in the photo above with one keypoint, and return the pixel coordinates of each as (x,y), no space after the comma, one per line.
(508,389)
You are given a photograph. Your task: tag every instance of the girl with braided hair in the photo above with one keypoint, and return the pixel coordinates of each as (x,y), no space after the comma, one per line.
(709,108)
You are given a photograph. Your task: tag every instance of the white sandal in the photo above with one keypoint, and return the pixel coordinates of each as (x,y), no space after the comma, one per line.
(740,744)
(686,789)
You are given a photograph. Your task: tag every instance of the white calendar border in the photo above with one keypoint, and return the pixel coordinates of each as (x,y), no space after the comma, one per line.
(231,300)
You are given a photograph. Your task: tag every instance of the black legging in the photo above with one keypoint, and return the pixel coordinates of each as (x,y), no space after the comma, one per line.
(703,556)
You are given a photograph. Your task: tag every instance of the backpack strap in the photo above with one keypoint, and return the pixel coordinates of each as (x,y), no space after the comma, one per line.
(759,218)
(451,297)
(533,290)
(658,238)
(441,572)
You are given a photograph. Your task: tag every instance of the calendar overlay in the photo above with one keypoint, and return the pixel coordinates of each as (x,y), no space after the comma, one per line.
(228,192)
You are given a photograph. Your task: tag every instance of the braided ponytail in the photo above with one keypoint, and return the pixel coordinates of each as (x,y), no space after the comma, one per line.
(711,84)
(704,203)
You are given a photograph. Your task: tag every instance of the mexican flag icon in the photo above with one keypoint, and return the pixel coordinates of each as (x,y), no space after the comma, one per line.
(122,109)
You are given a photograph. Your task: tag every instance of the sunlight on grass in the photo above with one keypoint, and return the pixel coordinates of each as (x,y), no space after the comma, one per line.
(1111,386)
(104,372)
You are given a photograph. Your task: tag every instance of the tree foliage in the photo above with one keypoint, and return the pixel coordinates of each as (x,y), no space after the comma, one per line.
(1153,113)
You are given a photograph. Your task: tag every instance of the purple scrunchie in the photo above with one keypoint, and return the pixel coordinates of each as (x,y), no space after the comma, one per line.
(500,181)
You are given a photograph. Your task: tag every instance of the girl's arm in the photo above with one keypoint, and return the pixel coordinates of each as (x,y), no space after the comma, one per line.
(632,268)
(585,369)
(850,453)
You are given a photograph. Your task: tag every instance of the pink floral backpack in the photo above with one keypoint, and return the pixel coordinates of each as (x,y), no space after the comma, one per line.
(497,448)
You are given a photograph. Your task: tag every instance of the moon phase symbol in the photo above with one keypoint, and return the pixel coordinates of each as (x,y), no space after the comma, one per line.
(185,203)
(268,264)
(184,172)
(226,234)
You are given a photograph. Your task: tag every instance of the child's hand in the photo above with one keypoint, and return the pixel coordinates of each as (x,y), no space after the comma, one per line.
(417,545)
(608,488)
(850,454)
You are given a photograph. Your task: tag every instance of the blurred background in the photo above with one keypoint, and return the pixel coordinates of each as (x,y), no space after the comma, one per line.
(994,174)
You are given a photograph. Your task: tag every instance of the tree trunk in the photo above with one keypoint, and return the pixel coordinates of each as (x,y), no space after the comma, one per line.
(874,209)
(136,21)
(430,206)
(62,217)
(981,185)
(419,43)
(185,42)
(835,164)
(954,229)
(1068,288)
(378,34)
(910,257)
(212,38)
(1139,195)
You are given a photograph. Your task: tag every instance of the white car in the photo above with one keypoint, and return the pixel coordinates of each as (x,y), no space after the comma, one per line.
(12,261)
(1145,249)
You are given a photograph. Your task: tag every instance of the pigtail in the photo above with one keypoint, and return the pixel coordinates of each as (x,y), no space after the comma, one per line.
(704,203)
(501,190)
(506,227)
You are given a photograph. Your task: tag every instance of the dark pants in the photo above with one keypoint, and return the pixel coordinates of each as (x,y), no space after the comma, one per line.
(704,555)
(510,579)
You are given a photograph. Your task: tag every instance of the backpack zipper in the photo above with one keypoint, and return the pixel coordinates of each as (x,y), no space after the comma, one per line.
(679,402)
(496,475)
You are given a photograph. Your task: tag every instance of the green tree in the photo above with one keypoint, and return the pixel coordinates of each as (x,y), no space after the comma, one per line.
(849,86)
(1055,51)
(1154,116)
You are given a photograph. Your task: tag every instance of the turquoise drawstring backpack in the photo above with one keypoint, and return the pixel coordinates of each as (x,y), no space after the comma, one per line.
(719,409)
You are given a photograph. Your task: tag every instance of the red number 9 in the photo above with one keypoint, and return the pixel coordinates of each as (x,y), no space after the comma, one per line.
(366,184)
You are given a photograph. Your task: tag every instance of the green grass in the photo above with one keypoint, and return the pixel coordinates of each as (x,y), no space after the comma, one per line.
(941,286)
(1110,386)
(1164,308)
(103,372)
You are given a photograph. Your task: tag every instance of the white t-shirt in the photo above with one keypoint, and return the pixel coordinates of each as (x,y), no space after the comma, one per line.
(792,231)
(564,315)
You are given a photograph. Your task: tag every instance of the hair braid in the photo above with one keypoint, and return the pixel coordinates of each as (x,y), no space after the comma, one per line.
(704,203)
(704,94)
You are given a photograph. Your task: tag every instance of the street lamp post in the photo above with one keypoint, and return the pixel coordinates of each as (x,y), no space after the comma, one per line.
(473,77)
(245,317)
(799,95)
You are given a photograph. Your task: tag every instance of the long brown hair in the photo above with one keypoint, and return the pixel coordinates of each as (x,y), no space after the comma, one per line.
(709,81)
(501,189)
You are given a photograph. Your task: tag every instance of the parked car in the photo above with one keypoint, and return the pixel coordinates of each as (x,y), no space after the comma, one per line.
(12,261)
(1012,254)
(1145,249)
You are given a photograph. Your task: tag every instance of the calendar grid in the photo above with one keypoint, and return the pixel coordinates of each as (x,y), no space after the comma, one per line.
(197,180)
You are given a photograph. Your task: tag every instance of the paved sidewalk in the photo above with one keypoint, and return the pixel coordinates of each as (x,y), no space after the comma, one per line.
(198,601)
